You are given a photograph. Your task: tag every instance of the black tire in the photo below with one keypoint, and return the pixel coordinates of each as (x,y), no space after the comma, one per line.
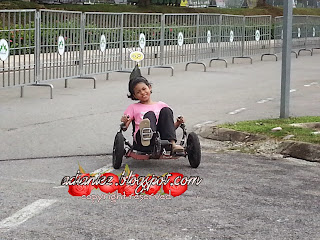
(118,150)
(193,150)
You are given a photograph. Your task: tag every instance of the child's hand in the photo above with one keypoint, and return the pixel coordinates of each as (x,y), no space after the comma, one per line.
(125,119)
(179,121)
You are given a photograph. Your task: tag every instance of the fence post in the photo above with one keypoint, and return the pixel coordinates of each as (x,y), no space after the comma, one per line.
(197,38)
(270,32)
(243,35)
(81,53)
(121,42)
(162,40)
(37,45)
(220,34)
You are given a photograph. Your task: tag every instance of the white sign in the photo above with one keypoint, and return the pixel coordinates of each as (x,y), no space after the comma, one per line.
(4,49)
(103,43)
(208,36)
(282,34)
(313,32)
(231,36)
(136,56)
(180,39)
(258,35)
(299,32)
(61,45)
(142,40)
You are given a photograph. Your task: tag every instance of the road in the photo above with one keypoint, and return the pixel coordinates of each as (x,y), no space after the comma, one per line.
(240,197)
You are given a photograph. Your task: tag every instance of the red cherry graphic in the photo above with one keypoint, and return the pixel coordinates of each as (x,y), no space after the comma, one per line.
(153,188)
(109,188)
(172,189)
(128,189)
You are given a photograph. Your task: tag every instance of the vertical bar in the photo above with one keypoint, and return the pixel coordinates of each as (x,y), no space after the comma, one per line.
(37,45)
(121,42)
(219,37)
(243,35)
(286,59)
(162,53)
(82,31)
(197,38)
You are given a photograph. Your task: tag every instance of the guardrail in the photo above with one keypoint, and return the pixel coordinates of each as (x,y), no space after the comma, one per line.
(46,45)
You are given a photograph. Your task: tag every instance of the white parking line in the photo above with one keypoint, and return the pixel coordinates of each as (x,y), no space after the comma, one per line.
(265,100)
(25,213)
(202,124)
(29,180)
(237,111)
(293,90)
(104,169)
(313,83)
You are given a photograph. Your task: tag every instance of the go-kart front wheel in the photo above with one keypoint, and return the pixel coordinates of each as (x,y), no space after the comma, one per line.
(118,150)
(193,150)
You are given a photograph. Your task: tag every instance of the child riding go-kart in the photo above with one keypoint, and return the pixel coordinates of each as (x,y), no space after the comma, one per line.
(154,128)
(161,149)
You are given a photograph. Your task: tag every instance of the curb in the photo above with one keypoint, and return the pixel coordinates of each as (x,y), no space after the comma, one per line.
(301,150)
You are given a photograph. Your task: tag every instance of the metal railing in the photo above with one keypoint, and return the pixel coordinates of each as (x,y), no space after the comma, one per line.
(46,45)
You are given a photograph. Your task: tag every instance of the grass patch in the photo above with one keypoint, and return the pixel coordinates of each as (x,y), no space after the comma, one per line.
(264,127)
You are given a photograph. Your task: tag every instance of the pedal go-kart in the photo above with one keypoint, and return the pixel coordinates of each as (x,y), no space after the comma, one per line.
(161,149)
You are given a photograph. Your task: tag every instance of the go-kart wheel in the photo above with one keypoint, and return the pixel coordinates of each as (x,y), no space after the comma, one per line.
(193,150)
(118,150)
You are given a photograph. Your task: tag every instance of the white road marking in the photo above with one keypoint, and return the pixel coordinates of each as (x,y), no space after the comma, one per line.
(201,124)
(29,180)
(237,111)
(265,100)
(293,90)
(104,169)
(313,83)
(25,213)
(60,186)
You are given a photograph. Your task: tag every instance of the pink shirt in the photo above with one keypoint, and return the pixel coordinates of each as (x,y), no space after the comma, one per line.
(136,112)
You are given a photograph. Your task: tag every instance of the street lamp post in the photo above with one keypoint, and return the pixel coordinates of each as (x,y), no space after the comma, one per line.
(286,58)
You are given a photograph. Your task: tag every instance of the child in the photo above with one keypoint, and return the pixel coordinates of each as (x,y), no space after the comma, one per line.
(147,113)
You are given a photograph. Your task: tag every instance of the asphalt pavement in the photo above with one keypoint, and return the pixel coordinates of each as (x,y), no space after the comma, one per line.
(240,197)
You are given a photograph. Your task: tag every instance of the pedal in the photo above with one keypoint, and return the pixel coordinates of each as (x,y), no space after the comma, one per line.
(147,134)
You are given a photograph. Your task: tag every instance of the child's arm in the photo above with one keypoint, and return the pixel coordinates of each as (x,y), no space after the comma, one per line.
(126,120)
(179,121)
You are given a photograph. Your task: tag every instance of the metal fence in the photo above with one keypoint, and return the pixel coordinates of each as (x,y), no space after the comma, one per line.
(141,32)
(102,48)
(60,45)
(17,47)
(180,38)
(209,36)
(45,45)
(232,32)
(297,3)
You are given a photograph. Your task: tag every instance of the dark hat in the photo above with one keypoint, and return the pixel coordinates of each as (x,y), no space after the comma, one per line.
(135,73)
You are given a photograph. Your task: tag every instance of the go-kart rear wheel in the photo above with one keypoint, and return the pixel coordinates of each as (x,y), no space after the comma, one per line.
(193,150)
(118,150)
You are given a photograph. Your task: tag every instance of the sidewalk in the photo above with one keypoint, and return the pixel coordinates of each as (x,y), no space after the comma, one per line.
(81,120)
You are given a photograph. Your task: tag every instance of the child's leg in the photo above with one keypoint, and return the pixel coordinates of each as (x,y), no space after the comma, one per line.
(167,129)
(165,124)
(152,118)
